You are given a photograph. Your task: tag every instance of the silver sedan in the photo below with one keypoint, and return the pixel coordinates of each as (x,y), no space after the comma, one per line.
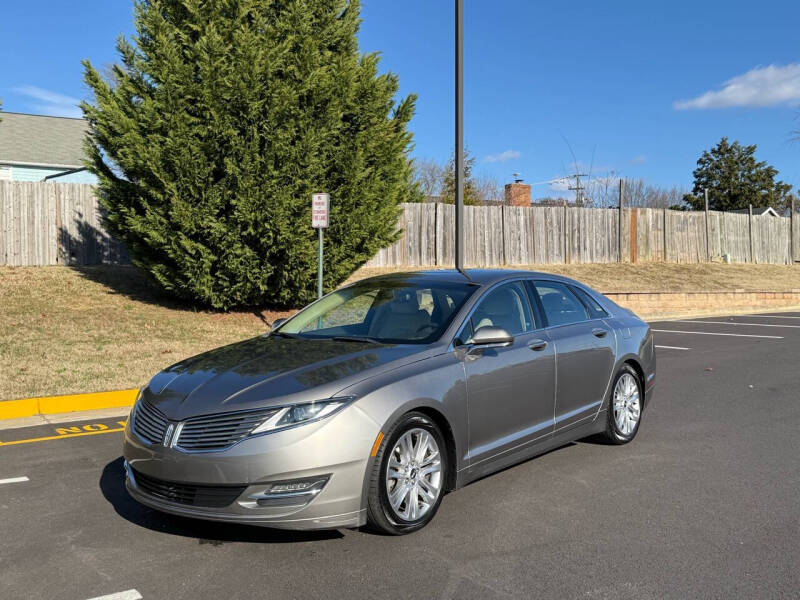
(370,404)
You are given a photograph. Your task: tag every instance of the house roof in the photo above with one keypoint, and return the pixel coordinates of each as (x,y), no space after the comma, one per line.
(41,140)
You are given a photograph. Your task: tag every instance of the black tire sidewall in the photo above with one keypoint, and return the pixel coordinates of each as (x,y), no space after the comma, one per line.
(407,422)
(613,431)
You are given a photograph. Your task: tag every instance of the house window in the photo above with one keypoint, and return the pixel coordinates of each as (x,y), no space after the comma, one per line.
(5,173)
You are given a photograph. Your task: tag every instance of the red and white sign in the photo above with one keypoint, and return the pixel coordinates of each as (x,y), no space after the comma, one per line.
(319,210)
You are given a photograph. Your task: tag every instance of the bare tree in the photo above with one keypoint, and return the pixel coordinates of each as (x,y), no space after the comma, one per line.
(437,181)
(430,175)
(639,193)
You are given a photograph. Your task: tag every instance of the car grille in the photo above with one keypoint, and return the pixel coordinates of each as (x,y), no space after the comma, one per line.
(208,496)
(217,432)
(149,424)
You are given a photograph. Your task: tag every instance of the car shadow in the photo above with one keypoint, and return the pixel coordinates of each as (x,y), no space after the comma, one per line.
(112,485)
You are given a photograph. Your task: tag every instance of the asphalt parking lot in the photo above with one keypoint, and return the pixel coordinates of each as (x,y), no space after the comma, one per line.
(704,503)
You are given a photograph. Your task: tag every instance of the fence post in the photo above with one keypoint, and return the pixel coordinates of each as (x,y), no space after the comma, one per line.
(566,235)
(503,232)
(634,234)
(435,233)
(619,225)
(59,232)
(791,231)
(665,235)
(708,241)
(750,228)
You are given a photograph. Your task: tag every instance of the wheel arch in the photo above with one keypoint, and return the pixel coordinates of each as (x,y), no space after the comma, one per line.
(450,441)
(634,363)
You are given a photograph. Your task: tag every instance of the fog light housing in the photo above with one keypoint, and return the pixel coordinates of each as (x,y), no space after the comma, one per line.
(292,492)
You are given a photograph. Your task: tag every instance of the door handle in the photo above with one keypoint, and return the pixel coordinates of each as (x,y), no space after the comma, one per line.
(537,345)
(598,332)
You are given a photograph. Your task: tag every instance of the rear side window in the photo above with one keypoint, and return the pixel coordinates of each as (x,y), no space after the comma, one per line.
(595,310)
(561,306)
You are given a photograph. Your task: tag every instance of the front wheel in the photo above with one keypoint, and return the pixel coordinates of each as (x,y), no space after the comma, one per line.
(408,476)
(625,406)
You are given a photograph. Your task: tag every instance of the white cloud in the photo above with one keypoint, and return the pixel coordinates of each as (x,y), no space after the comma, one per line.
(560,188)
(503,156)
(639,160)
(51,103)
(762,86)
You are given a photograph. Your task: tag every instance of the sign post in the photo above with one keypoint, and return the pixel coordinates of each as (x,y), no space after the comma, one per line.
(319,221)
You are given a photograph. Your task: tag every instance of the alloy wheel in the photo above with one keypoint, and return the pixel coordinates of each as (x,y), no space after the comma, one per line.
(414,475)
(627,404)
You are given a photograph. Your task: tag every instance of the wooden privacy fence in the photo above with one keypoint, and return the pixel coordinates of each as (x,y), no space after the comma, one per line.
(62,223)
(54,224)
(517,235)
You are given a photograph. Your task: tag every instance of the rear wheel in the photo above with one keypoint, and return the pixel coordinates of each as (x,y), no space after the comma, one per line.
(625,406)
(408,476)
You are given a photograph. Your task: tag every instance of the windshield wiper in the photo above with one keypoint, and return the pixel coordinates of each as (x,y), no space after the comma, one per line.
(291,336)
(355,338)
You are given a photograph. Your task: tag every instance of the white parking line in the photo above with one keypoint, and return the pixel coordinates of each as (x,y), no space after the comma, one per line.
(766,316)
(14,480)
(126,595)
(771,337)
(672,347)
(745,324)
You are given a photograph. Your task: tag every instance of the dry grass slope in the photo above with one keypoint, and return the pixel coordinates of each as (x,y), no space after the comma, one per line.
(92,329)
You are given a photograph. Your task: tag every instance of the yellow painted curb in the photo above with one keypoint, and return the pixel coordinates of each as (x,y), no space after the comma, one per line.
(50,405)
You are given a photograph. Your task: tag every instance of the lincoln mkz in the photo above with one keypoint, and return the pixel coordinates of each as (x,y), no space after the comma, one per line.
(370,404)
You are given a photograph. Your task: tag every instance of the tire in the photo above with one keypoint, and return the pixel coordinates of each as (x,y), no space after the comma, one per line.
(626,399)
(412,478)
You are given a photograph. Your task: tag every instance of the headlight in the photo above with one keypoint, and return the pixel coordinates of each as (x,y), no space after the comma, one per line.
(298,414)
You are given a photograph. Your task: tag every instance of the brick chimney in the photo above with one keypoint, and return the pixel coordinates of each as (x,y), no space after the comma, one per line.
(518,193)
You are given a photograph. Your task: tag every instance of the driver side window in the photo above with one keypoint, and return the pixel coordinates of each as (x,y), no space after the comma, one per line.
(506,307)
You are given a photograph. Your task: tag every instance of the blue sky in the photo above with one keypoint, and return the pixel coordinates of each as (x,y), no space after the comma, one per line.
(642,86)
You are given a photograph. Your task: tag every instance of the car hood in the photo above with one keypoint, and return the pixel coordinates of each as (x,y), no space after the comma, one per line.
(270,371)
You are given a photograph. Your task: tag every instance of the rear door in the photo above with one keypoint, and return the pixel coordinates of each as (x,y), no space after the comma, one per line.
(510,389)
(585,352)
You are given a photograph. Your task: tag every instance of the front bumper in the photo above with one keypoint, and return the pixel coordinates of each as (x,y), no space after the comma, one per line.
(335,449)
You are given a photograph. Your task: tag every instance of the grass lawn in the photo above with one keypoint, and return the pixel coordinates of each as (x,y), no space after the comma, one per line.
(65,330)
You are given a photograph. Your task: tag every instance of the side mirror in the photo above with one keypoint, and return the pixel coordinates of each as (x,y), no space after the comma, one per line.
(277,323)
(495,336)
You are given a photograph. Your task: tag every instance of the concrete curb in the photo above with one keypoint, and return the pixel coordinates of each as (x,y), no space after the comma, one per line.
(51,405)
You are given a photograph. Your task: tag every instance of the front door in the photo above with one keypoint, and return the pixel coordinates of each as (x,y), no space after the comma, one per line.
(586,349)
(510,389)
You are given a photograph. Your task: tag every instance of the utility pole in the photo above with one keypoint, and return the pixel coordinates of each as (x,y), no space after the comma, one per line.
(459,154)
(578,188)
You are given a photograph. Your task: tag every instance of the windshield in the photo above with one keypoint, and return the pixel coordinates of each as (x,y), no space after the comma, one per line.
(385,311)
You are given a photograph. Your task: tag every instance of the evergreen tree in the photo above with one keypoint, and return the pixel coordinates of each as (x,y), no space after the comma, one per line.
(735,180)
(471,193)
(221,121)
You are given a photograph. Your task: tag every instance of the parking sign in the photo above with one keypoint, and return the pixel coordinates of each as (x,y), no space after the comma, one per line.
(319,210)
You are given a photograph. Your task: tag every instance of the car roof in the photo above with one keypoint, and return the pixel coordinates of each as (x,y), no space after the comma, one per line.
(480,277)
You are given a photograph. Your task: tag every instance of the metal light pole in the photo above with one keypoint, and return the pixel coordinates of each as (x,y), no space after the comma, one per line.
(459,154)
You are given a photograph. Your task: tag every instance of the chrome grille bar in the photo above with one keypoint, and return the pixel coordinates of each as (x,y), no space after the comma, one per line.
(217,432)
(149,424)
